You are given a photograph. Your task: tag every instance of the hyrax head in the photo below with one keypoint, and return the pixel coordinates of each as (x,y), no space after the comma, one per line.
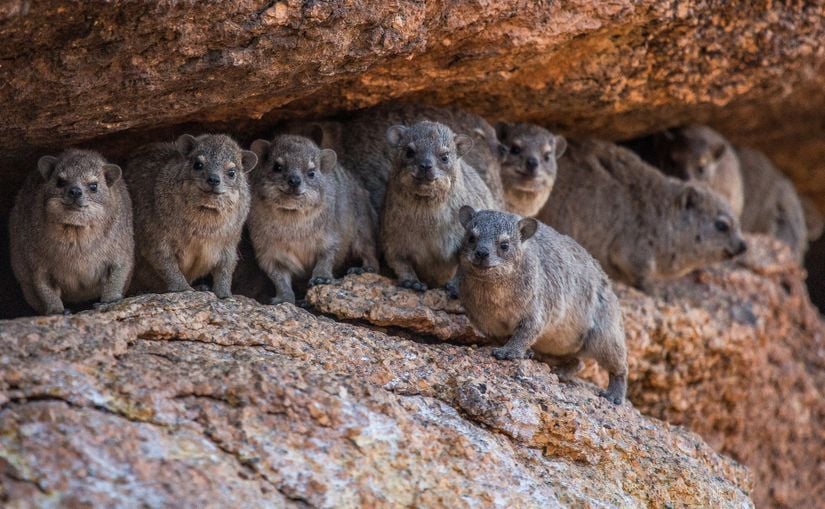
(690,153)
(215,168)
(707,230)
(293,172)
(427,157)
(78,186)
(494,242)
(528,156)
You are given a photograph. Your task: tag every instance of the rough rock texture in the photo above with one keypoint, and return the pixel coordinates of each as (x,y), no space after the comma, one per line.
(184,399)
(735,353)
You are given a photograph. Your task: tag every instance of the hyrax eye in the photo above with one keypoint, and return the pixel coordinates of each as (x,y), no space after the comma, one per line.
(504,246)
(722,226)
(472,239)
(548,156)
(231,173)
(311,174)
(410,153)
(515,150)
(278,167)
(93,187)
(445,158)
(198,165)
(61,182)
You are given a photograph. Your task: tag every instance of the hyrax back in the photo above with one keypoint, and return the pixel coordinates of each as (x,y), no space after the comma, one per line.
(772,206)
(641,225)
(429,183)
(699,154)
(522,281)
(528,165)
(309,216)
(192,201)
(71,232)
(363,146)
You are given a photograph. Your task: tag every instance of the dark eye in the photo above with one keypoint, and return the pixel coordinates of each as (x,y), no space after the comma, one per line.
(311,174)
(445,159)
(231,173)
(198,165)
(93,187)
(700,170)
(515,150)
(61,182)
(471,239)
(502,150)
(548,156)
(722,226)
(504,246)
(277,167)
(410,153)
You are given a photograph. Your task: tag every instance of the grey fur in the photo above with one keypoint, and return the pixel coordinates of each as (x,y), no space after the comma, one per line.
(420,232)
(72,249)
(641,225)
(528,165)
(186,228)
(522,281)
(313,234)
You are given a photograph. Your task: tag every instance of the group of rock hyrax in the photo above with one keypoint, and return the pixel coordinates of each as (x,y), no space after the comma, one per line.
(523,226)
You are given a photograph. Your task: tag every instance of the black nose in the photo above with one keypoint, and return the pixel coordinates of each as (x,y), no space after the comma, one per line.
(294,181)
(482,253)
(425,165)
(213,180)
(532,163)
(75,192)
(743,246)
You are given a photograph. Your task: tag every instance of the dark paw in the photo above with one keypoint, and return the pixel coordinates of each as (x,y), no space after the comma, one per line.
(202,288)
(356,270)
(319,280)
(452,291)
(616,399)
(367,268)
(413,284)
(274,301)
(303,303)
(508,354)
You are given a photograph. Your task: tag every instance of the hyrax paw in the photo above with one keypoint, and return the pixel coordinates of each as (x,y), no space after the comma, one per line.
(368,269)
(320,280)
(452,291)
(356,270)
(413,284)
(223,294)
(507,354)
(202,288)
(616,399)
(274,301)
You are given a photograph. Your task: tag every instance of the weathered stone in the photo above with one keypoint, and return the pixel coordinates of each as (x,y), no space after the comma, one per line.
(735,353)
(187,400)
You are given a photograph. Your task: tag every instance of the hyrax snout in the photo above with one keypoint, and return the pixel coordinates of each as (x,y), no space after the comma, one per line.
(523,282)
(71,232)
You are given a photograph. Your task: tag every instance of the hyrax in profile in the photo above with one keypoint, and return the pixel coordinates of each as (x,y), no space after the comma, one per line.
(429,182)
(641,225)
(699,154)
(772,205)
(528,165)
(309,216)
(192,198)
(522,281)
(71,232)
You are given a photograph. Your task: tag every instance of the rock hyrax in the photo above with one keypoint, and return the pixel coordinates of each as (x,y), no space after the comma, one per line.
(528,165)
(772,206)
(429,183)
(192,198)
(522,281)
(310,218)
(641,225)
(71,232)
(699,154)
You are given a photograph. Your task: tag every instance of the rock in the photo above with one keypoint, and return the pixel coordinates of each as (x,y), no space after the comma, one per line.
(183,399)
(734,353)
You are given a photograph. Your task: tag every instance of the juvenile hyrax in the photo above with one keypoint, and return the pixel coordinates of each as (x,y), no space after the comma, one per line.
(641,225)
(71,232)
(528,165)
(772,205)
(521,280)
(429,183)
(309,216)
(700,154)
(192,198)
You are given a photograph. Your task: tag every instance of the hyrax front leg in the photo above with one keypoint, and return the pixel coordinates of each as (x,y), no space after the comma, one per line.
(163,260)
(283,287)
(222,274)
(322,272)
(48,295)
(520,342)
(407,278)
(115,284)
(452,287)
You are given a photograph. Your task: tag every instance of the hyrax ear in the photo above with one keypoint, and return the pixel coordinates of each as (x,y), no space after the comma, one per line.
(249,160)
(465,215)
(561,146)
(527,228)
(315,132)
(395,134)
(501,130)
(717,151)
(46,166)
(463,144)
(185,143)
(689,198)
(261,149)
(328,160)
(112,172)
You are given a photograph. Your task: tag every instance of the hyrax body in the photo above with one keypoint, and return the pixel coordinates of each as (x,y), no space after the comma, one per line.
(429,183)
(772,205)
(192,198)
(699,154)
(71,232)
(528,165)
(521,280)
(641,225)
(364,149)
(309,216)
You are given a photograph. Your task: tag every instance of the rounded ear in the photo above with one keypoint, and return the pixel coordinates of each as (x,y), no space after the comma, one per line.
(328,160)
(261,149)
(395,134)
(248,160)
(689,198)
(46,165)
(112,172)
(463,144)
(501,130)
(465,215)
(185,143)
(561,146)
(717,151)
(527,228)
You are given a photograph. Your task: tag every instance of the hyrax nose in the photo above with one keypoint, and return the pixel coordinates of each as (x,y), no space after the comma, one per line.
(531,164)
(294,181)
(213,180)
(482,253)
(425,164)
(75,192)
(742,247)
